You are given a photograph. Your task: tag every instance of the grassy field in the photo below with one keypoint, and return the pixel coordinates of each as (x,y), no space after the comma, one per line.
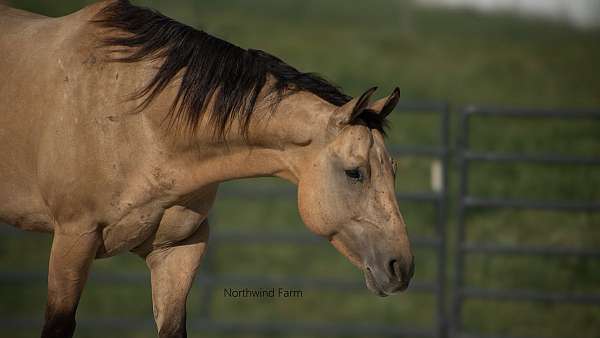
(458,56)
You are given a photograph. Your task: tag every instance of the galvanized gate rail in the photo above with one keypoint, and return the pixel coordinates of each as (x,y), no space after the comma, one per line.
(437,287)
(461,292)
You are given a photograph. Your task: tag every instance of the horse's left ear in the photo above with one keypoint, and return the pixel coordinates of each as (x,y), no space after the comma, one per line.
(386,105)
(350,111)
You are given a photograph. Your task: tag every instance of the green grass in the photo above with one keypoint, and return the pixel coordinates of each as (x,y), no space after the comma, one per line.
(431,54)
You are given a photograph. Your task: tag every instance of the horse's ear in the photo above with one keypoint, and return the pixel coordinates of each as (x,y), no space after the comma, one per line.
(386,105)
(350,111)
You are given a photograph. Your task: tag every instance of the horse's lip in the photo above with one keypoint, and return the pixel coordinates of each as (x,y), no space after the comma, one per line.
(375,287)
(400,287)
(372,283)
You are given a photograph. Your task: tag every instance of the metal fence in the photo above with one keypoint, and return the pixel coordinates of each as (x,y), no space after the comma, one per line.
(467,202)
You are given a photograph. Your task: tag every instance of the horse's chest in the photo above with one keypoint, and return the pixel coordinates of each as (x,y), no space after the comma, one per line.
(154,225)
(135,226)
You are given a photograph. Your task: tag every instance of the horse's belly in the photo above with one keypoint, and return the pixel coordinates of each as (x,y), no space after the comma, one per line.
(39,222)
(22,206)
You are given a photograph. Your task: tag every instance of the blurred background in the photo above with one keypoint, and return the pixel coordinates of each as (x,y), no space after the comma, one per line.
(506,245)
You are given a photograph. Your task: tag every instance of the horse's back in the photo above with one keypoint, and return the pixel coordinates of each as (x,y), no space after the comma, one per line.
(16,16)
(36,52)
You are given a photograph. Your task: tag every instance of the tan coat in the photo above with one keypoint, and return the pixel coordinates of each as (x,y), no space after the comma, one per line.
(76,162)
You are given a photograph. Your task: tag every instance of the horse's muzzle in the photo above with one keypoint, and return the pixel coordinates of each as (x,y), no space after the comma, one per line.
(389,278)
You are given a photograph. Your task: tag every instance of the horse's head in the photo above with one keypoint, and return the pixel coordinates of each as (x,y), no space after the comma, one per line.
(347,195)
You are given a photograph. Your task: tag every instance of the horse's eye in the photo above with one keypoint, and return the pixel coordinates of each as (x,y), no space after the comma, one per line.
(354,174)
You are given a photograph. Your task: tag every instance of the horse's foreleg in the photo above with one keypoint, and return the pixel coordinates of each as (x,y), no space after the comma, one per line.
(172,271)
(70,259)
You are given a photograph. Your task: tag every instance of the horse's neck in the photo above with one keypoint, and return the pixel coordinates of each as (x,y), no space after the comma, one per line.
(278,143)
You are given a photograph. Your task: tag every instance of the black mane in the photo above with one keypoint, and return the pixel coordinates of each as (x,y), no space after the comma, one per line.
(211,68)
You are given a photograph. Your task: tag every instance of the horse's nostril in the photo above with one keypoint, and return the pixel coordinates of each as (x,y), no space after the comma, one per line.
(401,273)
(395,270)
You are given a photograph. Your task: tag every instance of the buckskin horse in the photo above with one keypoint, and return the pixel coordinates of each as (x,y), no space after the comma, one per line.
(117,125)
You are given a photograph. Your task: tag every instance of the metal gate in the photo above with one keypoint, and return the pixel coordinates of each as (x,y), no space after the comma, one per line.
(467,202)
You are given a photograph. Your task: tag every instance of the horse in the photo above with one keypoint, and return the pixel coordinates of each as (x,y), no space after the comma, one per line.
(117,125)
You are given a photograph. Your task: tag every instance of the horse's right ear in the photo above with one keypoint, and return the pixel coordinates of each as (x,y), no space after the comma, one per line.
(350,111)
